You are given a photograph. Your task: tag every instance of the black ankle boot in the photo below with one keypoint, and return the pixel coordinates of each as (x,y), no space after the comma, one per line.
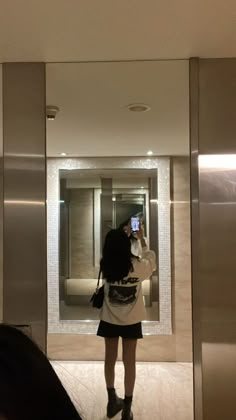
(127,412)
(115,404)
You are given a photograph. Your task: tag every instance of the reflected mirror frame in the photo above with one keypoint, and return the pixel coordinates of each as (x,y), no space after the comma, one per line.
(54,165)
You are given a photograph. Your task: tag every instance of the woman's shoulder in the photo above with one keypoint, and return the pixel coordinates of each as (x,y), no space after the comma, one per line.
(146,254)
(138,262)
(145,263)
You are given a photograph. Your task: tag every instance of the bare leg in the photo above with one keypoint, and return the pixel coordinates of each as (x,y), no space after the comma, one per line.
(129,360)
(115,404)
(111,350)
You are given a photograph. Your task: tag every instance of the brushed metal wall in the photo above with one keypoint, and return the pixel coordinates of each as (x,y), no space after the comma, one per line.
(24,240)
(1,200)
(213,134)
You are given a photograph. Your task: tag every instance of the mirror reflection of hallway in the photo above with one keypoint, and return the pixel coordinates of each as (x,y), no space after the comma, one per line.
(106,164)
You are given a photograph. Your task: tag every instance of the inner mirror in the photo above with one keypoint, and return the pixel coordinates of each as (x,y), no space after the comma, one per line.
(92,202)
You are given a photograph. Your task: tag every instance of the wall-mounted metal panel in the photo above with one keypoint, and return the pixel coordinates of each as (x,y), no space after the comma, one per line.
(217,119)
(194,135)
(1,200)
(217,251)
(24,136)
(213,131)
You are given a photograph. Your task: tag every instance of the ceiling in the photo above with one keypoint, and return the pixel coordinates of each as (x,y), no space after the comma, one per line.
(91,178)
(94,119)
(77,30)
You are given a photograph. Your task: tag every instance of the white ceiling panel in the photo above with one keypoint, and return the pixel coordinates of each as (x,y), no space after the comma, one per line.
(75,30)
(94,119)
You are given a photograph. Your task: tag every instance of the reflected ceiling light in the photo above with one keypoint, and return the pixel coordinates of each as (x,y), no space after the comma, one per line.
(142,187)
(63,154)
(138,107)
(149,152)
(220,162)
(24,202)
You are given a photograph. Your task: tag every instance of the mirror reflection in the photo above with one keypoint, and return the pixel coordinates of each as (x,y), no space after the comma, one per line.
(117,148)
(91,203)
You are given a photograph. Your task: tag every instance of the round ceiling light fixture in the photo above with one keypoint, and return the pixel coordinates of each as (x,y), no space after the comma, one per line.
(138,107)
(149,152)
(63,154)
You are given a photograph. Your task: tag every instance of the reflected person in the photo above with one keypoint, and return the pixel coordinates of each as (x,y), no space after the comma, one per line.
(122,312)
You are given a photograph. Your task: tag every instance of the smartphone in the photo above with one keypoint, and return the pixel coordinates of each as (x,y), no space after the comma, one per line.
(134,224)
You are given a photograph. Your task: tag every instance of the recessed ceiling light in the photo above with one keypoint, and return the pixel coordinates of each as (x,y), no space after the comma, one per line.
(149,152)
(138,107)
(63,154)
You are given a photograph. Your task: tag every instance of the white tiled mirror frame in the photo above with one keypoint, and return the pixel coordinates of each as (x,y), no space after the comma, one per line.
(54,165)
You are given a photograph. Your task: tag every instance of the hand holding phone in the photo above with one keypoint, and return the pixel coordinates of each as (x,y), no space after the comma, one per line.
(135,224)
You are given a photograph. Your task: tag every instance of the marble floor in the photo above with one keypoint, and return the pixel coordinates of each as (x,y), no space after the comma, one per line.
(163,391)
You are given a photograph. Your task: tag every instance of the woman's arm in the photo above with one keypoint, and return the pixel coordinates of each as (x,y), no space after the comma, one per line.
(140,236)
(147,264)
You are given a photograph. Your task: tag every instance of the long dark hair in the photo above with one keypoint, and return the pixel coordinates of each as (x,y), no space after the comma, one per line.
(29,386)
(116,260)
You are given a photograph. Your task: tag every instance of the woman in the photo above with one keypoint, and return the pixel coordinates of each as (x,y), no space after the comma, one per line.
(29,387)
(122,312)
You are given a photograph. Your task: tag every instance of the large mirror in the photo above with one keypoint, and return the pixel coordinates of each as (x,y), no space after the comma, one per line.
(92,202)
(111,145)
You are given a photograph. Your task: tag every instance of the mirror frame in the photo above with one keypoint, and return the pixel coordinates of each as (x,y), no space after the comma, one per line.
(54,165)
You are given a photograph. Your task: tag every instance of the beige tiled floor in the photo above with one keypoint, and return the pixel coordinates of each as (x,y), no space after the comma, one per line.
(163,391)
